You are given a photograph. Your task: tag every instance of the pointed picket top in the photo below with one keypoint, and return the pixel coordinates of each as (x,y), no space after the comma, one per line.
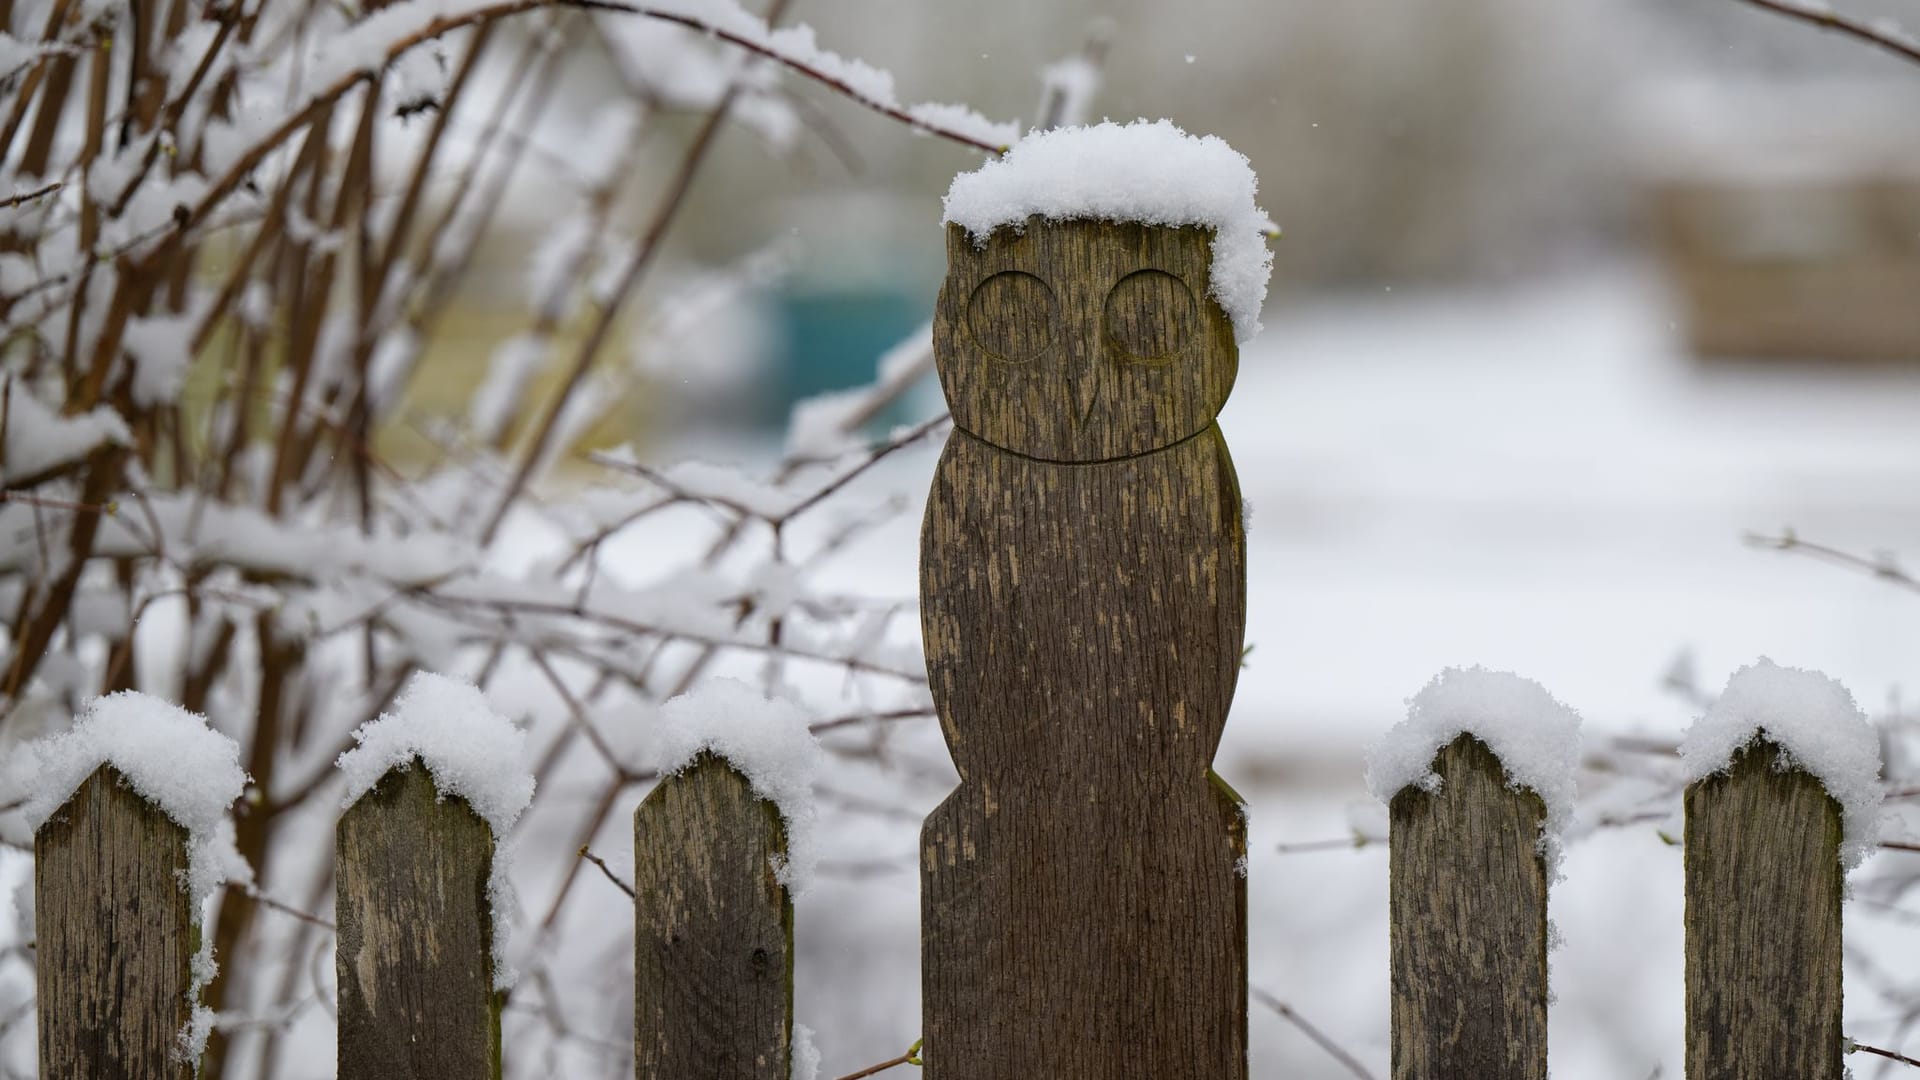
(1534,737)
(1785,799)
(1814,724)
(721,846)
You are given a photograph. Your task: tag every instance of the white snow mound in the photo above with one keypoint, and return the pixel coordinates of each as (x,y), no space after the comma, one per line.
(472,753)
(169,756)
(1816,725)
(1536,738)
(1146,171)
(768,741)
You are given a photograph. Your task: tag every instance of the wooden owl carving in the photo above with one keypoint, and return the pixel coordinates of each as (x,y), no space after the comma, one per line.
(1083,606)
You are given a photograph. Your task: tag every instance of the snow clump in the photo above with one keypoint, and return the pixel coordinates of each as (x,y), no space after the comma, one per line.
(1145,171)
(1536,738)
(767,740)
(1816,725)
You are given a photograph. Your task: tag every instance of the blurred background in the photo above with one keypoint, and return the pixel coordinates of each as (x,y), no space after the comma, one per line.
(1577,310)
(1761,176)
(1570,299)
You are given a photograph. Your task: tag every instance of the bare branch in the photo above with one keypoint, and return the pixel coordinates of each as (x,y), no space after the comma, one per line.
(1320,1039)
(1814,13)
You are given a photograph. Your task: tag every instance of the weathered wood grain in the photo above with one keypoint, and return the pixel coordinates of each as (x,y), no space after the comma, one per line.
(1083,606)
(1468,924)
(414,956)
(1763,924)
(713,931)
(1082,340)
(115,936)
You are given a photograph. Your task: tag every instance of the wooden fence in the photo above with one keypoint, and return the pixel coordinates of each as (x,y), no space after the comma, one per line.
(713,955)
(1084,903)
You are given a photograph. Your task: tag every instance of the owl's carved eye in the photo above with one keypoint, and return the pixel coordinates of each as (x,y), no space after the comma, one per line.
(1012,315)
(1151,313)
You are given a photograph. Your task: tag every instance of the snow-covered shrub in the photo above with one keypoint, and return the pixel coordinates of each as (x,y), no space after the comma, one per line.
(229,240)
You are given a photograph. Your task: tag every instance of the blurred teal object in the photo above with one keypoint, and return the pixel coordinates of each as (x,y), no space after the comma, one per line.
(831,339)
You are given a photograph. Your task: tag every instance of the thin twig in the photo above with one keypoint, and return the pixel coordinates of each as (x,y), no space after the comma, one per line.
(12,201)
(30,499)
(1826,18)
(596,860)
(911,1057)
(864,718)
(1319,1038)
(1351,843)
(1881,567)
(264,900)
(1883,1052)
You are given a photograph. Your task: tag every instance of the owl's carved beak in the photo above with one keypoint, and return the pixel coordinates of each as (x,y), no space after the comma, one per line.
(1083,385)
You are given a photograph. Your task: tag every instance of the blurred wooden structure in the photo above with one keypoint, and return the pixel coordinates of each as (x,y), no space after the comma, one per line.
(1788,219)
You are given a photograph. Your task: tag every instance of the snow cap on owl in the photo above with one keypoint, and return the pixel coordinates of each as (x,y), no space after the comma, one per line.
(1146,171)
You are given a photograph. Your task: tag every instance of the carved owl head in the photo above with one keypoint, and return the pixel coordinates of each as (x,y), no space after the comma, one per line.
(1082,340)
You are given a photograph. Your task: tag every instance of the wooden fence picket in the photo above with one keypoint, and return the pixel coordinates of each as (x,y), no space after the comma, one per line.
(115,936)
(1469,924)
(713,931)
(414,957)
(1764,886)
(1083,582)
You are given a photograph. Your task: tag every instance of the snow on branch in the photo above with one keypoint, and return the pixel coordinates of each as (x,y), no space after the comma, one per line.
(376,42)
(800,488)
(194,533)
(36,440)
(797,48)
(826,425)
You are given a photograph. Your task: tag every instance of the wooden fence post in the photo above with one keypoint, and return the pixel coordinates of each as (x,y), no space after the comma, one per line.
(414,958)
(1083,602)
(1764,885)
(1469,924)
(713,931)
(115,936)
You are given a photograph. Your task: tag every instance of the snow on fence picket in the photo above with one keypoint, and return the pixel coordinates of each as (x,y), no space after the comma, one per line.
(1479,783)
(1783,797)
(130,833)
(422,896)
(720,847)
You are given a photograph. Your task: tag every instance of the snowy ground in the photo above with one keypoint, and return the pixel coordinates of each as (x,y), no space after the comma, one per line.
(1533,480)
